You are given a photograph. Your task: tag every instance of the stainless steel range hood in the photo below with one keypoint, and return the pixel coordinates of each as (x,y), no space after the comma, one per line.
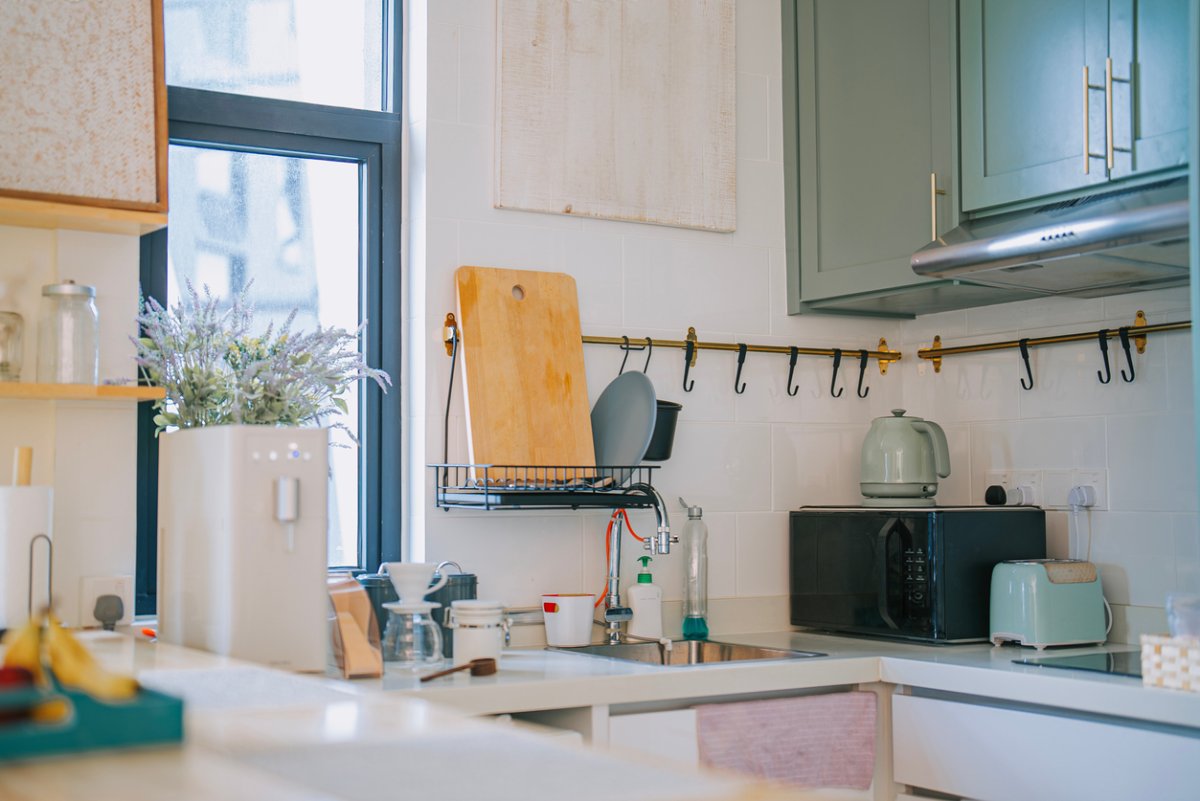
(1120,241)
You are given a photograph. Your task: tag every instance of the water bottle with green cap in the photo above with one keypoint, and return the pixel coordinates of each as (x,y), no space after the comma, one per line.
(695,595)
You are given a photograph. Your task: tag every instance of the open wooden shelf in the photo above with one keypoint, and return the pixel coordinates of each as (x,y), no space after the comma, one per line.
(47,214)
(13,390)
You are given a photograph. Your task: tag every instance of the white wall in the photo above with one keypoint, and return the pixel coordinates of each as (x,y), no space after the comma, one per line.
(749,459)
(85,450)
(746,459)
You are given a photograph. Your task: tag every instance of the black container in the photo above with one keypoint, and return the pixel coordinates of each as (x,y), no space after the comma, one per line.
(459,586)
(381,591)
(663,438)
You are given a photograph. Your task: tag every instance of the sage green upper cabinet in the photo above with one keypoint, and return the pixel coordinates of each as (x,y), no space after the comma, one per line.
(870,153)
(1148,44)
(1037,104)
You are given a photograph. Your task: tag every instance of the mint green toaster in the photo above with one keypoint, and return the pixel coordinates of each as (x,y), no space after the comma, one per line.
(1041,602)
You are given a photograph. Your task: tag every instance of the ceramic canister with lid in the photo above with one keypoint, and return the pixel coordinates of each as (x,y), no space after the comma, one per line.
(459,586)
(480,629)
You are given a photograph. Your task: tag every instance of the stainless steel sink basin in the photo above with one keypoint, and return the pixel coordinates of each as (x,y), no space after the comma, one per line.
(687,652)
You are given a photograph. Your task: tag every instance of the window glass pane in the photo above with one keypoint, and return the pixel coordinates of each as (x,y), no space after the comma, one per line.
(315,51)
(288,228)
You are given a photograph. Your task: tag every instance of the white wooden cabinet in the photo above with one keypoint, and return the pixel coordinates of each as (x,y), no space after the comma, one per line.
(669,735)
(995,753)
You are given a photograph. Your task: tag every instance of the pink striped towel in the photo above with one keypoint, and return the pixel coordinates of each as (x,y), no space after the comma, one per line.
(810,741)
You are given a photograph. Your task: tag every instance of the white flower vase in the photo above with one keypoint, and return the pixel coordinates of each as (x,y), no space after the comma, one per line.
(242,528)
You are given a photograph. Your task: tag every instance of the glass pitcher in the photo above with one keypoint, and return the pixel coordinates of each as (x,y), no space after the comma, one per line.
(413,639)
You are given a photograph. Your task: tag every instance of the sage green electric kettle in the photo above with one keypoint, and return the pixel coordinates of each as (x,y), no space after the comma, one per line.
(902,460)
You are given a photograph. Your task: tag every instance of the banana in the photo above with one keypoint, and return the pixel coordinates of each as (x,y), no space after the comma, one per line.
(53,710)
(23,649)
(75,666)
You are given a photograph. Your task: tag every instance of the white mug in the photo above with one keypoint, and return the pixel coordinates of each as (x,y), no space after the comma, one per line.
(568,618)
(411,579)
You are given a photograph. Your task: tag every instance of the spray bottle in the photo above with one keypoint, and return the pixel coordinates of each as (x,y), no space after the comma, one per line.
(695,595)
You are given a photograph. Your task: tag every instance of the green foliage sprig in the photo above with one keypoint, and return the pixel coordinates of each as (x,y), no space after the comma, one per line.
(215,372)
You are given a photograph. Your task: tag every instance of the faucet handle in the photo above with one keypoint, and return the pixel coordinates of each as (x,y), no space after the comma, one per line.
(618,614)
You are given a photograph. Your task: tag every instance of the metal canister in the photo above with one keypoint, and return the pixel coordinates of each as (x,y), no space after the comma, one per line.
(459,586)
(380,590)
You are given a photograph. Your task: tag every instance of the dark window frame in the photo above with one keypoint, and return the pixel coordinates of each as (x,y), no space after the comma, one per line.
(372,139)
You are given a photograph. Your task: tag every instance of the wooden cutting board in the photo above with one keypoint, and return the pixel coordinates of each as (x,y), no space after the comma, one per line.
(523,372)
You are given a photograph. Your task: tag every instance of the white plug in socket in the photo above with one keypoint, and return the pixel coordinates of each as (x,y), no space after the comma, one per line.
(1082,497)
(1020,496)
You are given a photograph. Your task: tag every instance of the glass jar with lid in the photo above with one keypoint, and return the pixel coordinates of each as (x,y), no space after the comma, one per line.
(68,335)
(11,345)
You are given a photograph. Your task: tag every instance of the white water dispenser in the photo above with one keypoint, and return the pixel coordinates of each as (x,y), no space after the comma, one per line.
(242,526)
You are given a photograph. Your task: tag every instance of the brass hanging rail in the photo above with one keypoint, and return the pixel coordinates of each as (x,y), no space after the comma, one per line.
(692,344)
(1137,333)
(882,355)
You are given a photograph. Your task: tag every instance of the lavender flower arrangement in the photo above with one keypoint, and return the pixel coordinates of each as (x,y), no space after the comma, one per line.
(215,372)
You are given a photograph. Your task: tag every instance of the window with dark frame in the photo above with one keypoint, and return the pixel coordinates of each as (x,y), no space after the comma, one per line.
(296,203)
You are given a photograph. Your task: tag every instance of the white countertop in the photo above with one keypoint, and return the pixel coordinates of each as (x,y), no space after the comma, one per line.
(538,679)
(256,733)
(253,732)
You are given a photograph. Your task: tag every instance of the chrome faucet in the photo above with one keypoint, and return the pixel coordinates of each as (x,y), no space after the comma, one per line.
(614,613)
(661,543)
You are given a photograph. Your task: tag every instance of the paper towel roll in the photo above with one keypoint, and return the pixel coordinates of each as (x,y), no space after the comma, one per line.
(25,512)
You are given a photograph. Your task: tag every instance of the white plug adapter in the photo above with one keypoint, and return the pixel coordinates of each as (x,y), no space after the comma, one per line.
(1082,497)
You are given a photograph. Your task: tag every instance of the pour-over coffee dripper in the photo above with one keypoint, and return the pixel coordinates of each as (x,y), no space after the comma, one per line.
(411,579)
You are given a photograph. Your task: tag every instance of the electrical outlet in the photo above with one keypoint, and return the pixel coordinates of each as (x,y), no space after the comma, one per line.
(1000,478)
(1098,480)
(1031,479)
(1057,484)
(92,587)
(1011,479)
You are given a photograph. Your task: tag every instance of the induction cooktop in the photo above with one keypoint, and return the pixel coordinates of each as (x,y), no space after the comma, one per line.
(1117,663)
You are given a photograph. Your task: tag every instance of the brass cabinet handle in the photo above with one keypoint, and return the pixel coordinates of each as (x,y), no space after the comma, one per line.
(1109,80)
(1108,113)
(1088,155)
(933,193)
(1087,133)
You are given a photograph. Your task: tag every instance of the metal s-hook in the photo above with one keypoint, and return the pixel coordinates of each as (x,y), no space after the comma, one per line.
(862,370)
(1106,376)
(649,353)
(624,347)
(837,362)
(688,351)
(1024,346)
(792,354)
(1124,332)
(738,377)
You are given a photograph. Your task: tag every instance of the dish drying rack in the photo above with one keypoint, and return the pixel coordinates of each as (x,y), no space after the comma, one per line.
(498,486)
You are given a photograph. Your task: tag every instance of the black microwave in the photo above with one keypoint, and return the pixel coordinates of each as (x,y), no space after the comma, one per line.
(916,573)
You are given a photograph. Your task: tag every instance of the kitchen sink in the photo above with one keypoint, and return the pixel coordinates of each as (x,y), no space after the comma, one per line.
(687,652)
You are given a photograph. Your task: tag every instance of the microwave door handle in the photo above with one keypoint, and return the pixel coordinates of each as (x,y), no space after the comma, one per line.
(881,562)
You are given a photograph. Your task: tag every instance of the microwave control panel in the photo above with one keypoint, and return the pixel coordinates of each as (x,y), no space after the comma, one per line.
(916,579)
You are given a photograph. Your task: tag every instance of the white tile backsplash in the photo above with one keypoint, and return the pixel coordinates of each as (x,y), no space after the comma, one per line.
(762,544)
(443,81)
(1135,553)
(713,286)
(1152,467)
(1186,529)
